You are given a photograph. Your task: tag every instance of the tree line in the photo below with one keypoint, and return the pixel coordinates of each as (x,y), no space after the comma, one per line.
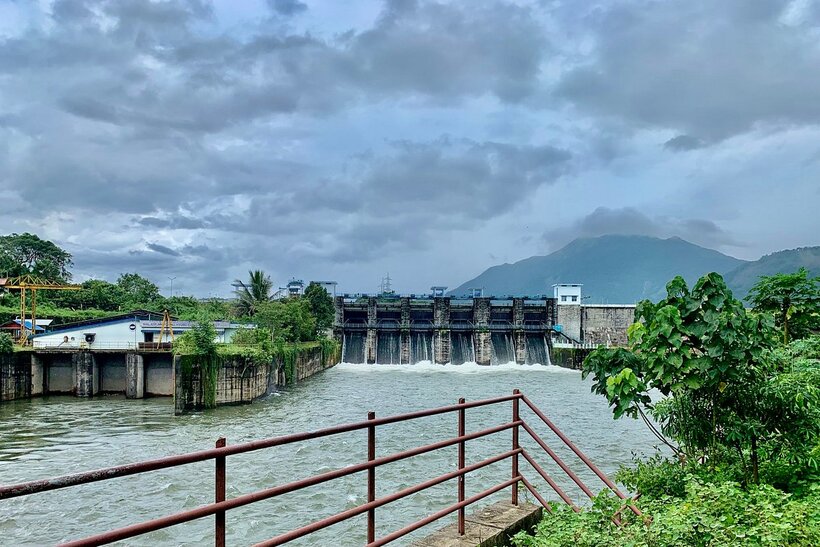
(290,319)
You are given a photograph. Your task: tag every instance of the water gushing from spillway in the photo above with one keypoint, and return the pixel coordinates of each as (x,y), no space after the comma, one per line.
(353,347)
(421,347)
(388,348)
(537,350)
(503,349)
(461,348)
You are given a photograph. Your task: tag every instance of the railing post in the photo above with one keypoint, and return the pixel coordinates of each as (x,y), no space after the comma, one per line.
(461,478)
(515,446)
(371,478)
(219,495)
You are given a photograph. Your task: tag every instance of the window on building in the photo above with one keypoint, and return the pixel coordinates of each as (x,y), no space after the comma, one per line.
(149,336)
(563,298)
(574,298)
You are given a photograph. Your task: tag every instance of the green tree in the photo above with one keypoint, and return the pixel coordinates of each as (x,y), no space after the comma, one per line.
(794,299)
(6,343)
(138,292)
(199,340)
(95,294)
(289,320)
(726,398)
(25,253)
(250,295)
(321,305)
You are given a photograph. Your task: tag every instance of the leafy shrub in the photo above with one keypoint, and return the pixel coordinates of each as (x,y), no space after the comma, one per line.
(708,515)
(200,340)
(655,477)
(6,343)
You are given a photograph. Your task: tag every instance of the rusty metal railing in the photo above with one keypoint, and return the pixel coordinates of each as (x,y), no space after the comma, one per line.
(221,505)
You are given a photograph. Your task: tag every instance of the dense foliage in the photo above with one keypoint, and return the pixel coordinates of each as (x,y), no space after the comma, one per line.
(290,320)
(793,299)
(6,343)
(321,305)
(199,340)
(727,399)
(739,409)
(707,514)
(26,253)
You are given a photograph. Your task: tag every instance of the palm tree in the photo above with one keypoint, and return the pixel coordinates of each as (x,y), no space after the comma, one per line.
(249,295)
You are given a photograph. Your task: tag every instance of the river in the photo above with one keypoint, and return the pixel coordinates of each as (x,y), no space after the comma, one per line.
(53,436)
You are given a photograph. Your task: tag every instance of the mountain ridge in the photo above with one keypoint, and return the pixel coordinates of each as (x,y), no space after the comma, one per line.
(622,269)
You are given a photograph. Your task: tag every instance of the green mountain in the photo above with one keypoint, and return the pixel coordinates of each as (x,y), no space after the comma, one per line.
(742,278)
(618,269)
(614,269)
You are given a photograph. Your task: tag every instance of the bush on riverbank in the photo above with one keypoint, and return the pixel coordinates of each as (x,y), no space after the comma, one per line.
(6,343)
(707,514)
(741,414)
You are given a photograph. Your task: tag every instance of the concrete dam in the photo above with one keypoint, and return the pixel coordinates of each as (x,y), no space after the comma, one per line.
(406,330)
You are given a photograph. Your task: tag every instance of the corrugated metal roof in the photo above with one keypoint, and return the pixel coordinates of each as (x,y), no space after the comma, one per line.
(219,325)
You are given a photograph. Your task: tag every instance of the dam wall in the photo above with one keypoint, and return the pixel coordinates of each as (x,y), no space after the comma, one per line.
(390,329)
(406,330)
(85,373)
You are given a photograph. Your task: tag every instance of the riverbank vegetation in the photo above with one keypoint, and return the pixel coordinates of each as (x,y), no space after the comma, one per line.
(738,421)
(283,321)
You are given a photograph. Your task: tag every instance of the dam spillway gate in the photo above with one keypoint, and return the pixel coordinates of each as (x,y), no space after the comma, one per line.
(408,330)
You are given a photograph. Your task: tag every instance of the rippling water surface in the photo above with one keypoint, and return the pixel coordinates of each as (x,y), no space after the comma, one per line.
(58,435)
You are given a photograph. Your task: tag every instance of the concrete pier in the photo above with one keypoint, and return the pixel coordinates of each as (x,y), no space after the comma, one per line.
(441,336)
(134,376)
(38,386)
(370,345)
(482,339)
(86,374)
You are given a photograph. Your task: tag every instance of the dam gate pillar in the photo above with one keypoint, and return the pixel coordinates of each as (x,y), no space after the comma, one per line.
(86,374)
(404,339)
(441,334)
(134,376)
(482,338)
(370,342)
(519,336)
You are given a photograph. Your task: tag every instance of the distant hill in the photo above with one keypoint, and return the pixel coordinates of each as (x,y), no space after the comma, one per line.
(742,278)
(615,269)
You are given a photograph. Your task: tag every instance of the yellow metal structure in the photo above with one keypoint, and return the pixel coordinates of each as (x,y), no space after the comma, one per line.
(32,284)
(165,327)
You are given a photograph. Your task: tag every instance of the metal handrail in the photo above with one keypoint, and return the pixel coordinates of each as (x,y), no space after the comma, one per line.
(32,487)
(221,505)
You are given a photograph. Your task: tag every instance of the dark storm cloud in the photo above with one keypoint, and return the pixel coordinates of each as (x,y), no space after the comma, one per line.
(630,221)
(157,248)
(175,222)
(394,200)
(463,178)
(171,142)
(708,69)
(287,7)
(683,143)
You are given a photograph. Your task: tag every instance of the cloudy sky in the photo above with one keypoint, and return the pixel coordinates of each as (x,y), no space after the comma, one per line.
(431,139)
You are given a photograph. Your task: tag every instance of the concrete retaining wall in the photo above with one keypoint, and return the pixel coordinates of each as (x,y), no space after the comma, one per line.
(569,357)
(240,380)
(15,377)
(607,325)
(85,374)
